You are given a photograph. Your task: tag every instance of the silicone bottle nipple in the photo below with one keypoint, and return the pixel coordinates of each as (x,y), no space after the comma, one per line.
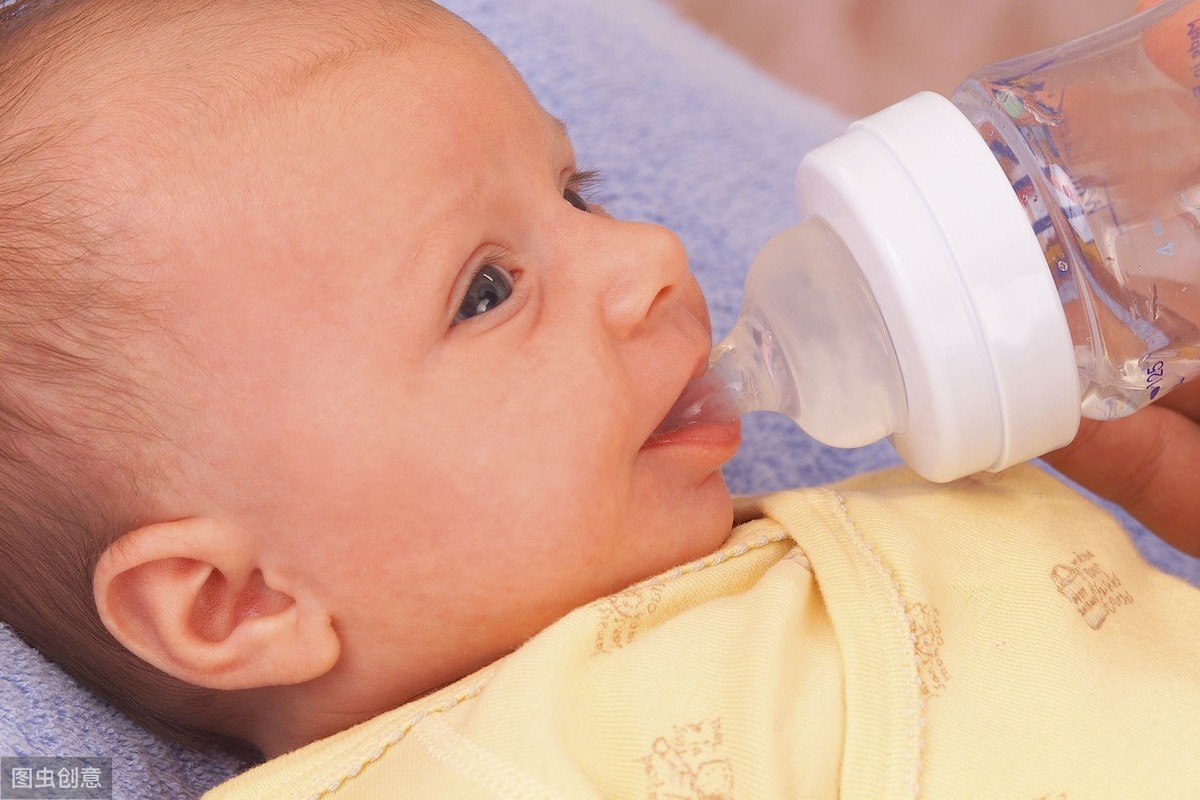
(810,343)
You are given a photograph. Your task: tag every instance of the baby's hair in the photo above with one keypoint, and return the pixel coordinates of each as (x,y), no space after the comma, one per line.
(71,411)
(82,439)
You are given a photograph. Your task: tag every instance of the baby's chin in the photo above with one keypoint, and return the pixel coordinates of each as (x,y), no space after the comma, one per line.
(722,521)
(711,520)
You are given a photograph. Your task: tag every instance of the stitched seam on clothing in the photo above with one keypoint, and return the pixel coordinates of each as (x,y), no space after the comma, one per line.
(904,625)
(798,556)
(472,761)
(719,557)
(468,693)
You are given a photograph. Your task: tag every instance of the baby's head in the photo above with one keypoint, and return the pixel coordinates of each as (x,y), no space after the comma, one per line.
(321,385)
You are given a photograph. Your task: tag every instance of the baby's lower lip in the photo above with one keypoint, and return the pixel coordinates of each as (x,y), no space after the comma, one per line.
(719,435)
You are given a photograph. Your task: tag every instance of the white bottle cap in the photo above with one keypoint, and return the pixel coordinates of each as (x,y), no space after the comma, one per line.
(960,279)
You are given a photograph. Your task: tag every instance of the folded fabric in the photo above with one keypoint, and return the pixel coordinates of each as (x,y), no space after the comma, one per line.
(904,640)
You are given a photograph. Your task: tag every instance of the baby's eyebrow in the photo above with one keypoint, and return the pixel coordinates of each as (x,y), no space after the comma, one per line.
(560,130)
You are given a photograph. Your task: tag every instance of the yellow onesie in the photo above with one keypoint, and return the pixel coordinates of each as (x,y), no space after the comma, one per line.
(884,638)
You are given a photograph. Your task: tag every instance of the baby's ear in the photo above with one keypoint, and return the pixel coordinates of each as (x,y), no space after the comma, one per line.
(190,598)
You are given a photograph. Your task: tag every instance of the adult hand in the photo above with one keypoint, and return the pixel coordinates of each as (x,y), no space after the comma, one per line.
(1148,463)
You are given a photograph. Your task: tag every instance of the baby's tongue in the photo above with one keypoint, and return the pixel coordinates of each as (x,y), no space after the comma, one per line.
(705,400)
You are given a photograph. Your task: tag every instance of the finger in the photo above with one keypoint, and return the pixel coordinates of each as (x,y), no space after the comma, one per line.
(1184,400)
(1148,463)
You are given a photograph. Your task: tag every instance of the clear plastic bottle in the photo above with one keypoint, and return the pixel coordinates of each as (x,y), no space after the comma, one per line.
(974,274)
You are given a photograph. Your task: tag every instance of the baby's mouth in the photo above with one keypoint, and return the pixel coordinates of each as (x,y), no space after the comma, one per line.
(706,400)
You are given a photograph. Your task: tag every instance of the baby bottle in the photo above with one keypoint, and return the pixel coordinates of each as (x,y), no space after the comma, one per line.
(973,274)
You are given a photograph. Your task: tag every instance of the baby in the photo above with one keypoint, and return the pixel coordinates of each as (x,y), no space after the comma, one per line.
(331,422)
(359,366)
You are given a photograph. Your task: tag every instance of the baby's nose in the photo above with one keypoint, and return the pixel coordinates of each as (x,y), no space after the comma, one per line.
(647,267)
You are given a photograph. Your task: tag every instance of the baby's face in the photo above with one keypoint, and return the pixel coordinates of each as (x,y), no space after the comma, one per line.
(421,374)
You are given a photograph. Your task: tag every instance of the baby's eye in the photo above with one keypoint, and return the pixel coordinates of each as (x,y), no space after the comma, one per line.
(576,199)
(490,287)
(580,187)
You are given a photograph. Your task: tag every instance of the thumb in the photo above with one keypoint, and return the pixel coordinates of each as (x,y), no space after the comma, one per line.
(1148,463)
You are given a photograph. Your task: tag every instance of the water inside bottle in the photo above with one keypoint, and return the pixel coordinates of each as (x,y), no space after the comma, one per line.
(1102,151)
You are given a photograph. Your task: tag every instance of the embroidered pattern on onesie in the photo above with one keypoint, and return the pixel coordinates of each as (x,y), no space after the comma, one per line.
(689,764)
(622,614)
(1096,592)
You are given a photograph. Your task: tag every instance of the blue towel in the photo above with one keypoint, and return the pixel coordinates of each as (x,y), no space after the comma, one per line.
(689,136)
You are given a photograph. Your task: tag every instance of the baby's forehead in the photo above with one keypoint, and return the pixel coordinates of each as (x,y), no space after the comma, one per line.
(128,84)
(79,55)
(126,106)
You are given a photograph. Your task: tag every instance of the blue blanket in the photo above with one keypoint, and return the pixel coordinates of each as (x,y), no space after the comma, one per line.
(687,135)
